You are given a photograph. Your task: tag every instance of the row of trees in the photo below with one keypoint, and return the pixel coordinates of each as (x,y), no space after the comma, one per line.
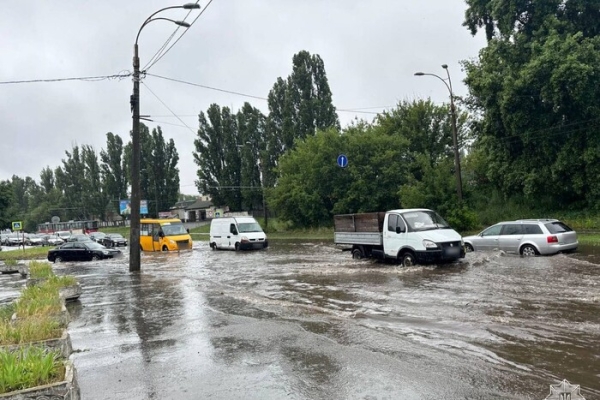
(89,184)
(528,133)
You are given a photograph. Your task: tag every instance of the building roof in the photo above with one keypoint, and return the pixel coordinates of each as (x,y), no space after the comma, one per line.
(199,205)
(183,204)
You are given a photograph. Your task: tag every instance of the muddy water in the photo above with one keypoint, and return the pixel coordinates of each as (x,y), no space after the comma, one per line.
(303,320)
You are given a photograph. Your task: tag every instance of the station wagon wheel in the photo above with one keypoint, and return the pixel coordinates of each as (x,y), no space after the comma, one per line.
(408,260)
(469,248)
(528,251)
(95,257)
(58,260)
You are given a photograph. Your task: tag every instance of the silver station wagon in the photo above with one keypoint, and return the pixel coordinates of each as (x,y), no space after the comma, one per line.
(528,237)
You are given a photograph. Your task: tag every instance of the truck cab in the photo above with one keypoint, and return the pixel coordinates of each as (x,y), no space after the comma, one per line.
(410,236)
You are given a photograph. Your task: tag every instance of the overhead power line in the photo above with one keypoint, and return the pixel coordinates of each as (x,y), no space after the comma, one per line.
(208,87)
(174,43)
(168,108)
(80,78)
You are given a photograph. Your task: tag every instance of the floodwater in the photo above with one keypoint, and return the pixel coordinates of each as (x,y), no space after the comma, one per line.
(302,320)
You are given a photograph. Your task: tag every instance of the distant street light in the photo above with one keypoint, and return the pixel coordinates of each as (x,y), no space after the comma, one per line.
(454,131)
(134,241)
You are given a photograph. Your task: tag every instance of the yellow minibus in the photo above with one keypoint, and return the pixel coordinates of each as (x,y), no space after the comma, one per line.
(164,235)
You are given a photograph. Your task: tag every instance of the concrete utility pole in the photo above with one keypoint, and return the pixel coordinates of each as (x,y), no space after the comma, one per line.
(134,239)
(454,129)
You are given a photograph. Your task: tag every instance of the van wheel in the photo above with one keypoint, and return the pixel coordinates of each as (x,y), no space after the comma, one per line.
(357,254)
(237,247)
(408,260)
(528,251)
(165,248)
(213,246)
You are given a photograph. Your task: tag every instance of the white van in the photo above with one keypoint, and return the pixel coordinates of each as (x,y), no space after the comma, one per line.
(237,233)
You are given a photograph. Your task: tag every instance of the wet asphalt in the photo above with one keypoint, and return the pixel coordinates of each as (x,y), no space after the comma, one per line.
(302,320)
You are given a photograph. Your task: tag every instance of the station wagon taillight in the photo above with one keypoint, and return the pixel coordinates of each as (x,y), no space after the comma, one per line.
(552,239)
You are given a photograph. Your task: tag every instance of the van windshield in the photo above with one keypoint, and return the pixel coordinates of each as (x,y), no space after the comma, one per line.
(250,227)
(424,221)
(174,229)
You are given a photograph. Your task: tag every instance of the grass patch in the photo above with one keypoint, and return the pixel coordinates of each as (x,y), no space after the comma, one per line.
(589,238)
(11,263)
(40,270)
(123,230)
(37,301)
(28,330)
(33,253)
(29,367)
(6,312)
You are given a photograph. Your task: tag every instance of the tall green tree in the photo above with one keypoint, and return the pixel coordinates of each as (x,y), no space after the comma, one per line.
(298,107)
(217,154)
(164,173)
(537,87)
(251,128)
(113,167)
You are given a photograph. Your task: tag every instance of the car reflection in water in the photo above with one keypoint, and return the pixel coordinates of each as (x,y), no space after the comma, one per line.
(81,251)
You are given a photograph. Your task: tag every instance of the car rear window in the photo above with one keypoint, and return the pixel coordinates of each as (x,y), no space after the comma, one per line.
(558,227)
(531,229)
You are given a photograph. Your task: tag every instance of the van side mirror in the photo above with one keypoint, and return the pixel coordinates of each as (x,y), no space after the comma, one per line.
(161,234)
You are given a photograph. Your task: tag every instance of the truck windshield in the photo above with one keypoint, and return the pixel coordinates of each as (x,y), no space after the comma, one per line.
(424,221)
(250,227)
(173,229)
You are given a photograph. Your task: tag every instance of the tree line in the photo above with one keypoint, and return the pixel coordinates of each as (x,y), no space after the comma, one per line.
(527,130)
(90,184)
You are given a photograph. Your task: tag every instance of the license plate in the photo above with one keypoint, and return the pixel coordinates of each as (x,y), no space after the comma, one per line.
(452,251)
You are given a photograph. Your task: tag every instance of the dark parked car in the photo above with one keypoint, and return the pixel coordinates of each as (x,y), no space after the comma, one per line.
(81,251)
(97,236)
(113,240)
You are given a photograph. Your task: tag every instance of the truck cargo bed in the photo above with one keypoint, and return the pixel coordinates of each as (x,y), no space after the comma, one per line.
(363,238)
(364,222)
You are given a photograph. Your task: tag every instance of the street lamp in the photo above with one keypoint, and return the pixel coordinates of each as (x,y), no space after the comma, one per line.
(134,241)
(454,131)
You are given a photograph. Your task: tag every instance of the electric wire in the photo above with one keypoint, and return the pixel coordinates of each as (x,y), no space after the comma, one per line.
(174,43)
(166,43)
(168,108)
(80,78)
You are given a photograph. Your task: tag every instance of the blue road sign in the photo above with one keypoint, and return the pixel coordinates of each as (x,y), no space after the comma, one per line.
(342,161)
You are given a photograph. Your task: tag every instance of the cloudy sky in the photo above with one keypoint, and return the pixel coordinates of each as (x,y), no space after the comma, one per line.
(371,50)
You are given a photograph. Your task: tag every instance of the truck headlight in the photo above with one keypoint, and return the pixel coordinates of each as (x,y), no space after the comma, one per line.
(428,244)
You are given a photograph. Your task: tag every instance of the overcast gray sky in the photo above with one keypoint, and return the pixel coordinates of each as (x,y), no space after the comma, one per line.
(371,50)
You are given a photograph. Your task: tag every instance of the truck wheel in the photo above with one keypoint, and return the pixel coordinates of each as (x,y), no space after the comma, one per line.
(357,254)
(237,247)
(408,260)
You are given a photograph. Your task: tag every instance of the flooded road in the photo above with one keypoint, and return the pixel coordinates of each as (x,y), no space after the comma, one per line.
(302,320)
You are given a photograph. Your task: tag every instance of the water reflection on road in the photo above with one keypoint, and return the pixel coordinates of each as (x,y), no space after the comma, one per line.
(303,320)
